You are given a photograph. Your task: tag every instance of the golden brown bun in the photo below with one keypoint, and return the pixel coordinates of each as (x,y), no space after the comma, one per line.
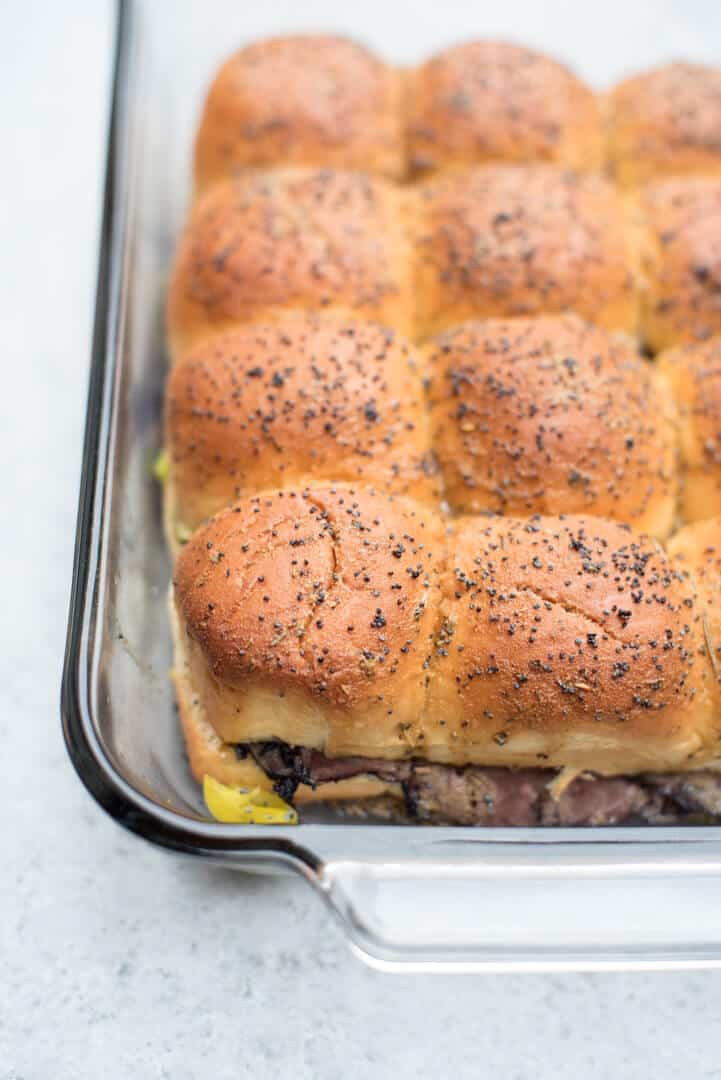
(664,122)
(697,548)
(301,100)
(317,618)
(551,415)
(306,399)
(209,755)
(267,242)
(309,617)
(681,302)
(514,240)
(570,642)
(492,101)
(694,374)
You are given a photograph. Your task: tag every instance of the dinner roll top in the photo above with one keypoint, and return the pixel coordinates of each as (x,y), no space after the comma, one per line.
(681,300)
(664,122)
(551,415)
(694,374)
(301,100)
(308,617)
(486,101)
(268,242)
(522,240)
(570,642)
(305,399)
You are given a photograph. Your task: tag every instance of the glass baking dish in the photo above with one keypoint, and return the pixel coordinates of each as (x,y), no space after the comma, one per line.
(425,898)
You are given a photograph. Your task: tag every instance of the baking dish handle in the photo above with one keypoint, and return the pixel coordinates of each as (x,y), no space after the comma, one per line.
(566,907)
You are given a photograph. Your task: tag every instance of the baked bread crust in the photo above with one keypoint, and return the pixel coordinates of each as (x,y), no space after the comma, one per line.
(552,415)
(664,122)
(697,548)
(503,240)
(694,376)
(570,642)
(292,238)
(303,400)
(681,261)
(314,99)
(484,101)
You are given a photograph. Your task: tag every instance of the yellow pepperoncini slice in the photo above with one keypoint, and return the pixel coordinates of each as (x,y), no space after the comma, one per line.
(161,466)
(237,806)
(182,533)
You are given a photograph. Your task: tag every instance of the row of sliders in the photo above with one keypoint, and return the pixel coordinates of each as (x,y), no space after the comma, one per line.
(519,416)
(371,631)
(327,101)
(490,241)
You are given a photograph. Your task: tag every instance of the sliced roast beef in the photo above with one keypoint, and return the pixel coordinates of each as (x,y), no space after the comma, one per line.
(475,796)
(290,766)
(691,793)
(478,795)
(497,796)
(609,800)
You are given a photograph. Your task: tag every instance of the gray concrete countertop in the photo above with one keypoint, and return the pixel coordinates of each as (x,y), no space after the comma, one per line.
(115,959)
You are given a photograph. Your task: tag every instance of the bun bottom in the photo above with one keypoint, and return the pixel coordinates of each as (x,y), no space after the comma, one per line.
(519,799)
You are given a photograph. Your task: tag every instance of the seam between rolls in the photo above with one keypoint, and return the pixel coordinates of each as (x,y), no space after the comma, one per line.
(425,657)
(332,580)
(440,618)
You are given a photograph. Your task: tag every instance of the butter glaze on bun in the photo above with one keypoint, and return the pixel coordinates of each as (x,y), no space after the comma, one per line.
(289,239)
(697,548)
(552,415)
(486,101)
(311,99)
(305,399)
(505,240)
(681,265)
(665,122)
(694,376)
